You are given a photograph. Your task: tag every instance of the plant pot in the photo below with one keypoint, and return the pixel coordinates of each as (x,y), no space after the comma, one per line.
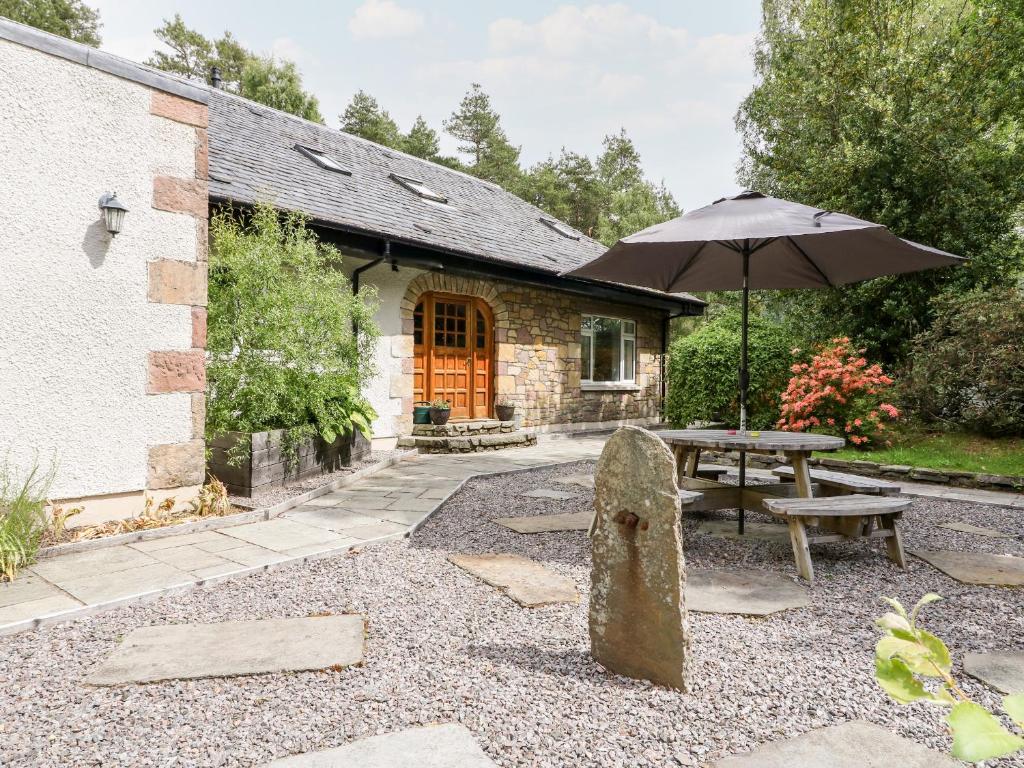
(505,412)
(421,414)
(439,416)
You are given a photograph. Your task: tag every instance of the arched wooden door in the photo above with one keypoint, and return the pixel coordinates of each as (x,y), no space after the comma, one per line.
(453,353)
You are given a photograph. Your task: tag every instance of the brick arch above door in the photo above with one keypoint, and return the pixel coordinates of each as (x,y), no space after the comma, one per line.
(443,283)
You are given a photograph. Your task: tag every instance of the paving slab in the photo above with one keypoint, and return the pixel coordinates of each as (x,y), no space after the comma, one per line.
(976,567)
(582,480)
(567,521)
(252,556)
(413,505)
(742,590)
(753,530)
(856,744)
(550,493)
(28,586)
(188,651)
(432,746)
(189,558)
(115,585)
(527,582)
(976,529)
(210,538)
(330,518)
(37,608)
(99,561)
(1002,670)
(281,534)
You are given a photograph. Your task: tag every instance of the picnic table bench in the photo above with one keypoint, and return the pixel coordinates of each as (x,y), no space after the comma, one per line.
(840,481)
(846,517)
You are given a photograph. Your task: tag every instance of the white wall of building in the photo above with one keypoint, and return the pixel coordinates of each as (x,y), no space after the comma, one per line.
(381,392)
(75,323)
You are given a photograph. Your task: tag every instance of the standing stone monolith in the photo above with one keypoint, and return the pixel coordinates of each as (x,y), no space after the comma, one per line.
(637,583)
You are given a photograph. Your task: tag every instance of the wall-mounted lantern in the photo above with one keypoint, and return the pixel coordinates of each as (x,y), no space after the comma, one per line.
(113,212)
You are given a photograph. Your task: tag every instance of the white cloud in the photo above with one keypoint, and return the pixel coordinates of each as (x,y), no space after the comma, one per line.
(376,19)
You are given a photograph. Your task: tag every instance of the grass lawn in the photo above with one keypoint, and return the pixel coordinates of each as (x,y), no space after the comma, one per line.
(948,450)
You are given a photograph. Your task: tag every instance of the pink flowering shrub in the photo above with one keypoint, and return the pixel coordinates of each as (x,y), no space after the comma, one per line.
(838,393)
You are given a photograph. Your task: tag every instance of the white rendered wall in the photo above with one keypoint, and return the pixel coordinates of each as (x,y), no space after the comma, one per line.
(388,356)
(75,323)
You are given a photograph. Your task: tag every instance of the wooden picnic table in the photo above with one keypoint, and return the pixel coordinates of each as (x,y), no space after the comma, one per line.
(687,445)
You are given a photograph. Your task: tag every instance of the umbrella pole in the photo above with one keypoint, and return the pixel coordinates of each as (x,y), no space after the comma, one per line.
(744,374)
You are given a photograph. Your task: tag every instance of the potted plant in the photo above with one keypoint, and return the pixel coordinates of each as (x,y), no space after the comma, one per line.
(504,409)
(440,410)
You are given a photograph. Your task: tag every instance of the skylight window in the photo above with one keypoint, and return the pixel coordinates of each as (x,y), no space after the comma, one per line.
(324,161)
(562,229)
(419,188)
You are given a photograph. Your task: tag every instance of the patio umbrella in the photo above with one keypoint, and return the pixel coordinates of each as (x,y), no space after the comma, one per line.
(755,241)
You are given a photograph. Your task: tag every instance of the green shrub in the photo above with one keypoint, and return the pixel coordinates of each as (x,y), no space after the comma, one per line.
(23,519)
(703,372)
(967,370)
(282,349)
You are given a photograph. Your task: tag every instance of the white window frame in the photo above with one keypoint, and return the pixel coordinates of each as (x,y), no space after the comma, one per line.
(587,377)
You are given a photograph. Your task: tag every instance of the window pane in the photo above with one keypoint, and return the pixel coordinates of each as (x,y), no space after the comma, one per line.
(585,349)
(628,327)
(607,348)
(586,322)
(629,360)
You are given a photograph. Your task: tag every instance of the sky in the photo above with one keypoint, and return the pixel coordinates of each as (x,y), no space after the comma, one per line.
(560,75)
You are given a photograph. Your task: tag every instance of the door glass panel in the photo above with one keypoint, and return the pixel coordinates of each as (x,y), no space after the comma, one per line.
(628,359)
(481,331)
(417,324)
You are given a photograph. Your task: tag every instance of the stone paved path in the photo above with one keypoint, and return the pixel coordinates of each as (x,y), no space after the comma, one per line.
(388,504)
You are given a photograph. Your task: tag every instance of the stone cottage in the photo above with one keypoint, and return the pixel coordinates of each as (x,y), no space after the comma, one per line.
(472,302)
(102,354)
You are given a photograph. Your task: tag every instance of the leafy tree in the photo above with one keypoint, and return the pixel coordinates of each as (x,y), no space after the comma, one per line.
(283,350)
(478,127)
(703,372)
(632,202)
(364,117)
(72,19)
(904,113)
(966,371)
(278,86)
(263,79)
(422,140)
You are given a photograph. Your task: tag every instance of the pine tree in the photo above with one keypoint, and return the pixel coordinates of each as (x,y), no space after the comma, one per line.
(422,140)
(478,127)
(364,117)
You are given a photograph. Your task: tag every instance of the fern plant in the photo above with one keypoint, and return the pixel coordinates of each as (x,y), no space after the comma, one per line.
(907,656)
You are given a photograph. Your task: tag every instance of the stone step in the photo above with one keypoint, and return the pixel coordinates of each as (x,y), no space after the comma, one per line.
(464,428)
(467,443)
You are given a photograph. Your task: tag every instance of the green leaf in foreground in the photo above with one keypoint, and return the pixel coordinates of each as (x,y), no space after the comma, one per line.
(1014,706)
(898,681)
(978,735)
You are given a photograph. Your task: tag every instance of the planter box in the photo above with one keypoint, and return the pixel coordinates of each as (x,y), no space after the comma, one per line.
(264,465)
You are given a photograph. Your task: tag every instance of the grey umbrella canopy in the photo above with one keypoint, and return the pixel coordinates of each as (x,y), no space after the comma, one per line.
(788,245)
(760,242)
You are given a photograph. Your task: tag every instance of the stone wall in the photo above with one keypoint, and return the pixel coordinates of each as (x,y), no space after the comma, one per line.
(102,361)
(538,353)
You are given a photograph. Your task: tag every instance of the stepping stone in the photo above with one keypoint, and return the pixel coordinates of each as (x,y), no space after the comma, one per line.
(851,745)
(582,480)
(752,531)
(548,493)
(433,746)
(567,521)
(977,567)
(744,591)
(187,651)
(968,528)
(528,583)
(1003,670)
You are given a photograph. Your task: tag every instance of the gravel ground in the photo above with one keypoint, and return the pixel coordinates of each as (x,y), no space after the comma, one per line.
(277,495)
(444,647)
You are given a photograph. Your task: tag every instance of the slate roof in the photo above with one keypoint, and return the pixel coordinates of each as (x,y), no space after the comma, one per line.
(253,157)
